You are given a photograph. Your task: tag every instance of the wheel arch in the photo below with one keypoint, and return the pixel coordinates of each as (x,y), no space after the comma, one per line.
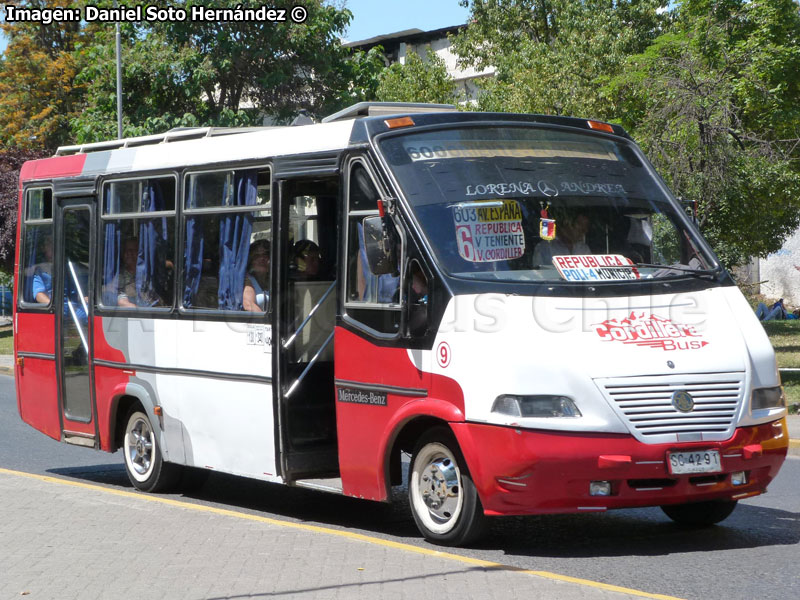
(408,426)
(123,403)
(404,441)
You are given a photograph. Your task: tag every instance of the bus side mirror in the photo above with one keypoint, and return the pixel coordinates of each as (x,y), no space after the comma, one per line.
(380,246)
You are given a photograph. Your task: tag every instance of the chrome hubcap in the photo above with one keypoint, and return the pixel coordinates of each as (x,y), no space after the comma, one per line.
(140,447)
(439,488)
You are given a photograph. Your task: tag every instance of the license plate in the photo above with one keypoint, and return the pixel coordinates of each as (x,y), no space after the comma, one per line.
(701,461)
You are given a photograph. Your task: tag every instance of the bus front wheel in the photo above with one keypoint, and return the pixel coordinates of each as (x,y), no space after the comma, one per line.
(143,461)
(700,514)
(443,498)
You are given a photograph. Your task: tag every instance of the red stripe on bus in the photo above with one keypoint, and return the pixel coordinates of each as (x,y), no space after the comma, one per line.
(57,166)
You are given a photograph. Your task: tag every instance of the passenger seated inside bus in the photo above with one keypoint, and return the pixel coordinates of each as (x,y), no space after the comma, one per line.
(570,239)
(255,297)
(127,294)
(305,261)
(42,275)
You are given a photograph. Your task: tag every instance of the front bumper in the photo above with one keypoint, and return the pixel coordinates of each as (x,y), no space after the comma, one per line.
(520,472)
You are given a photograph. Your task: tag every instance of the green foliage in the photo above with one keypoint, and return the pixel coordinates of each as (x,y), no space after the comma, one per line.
(360,77)
(551,56)
(38,93)
(713,102)
(709,88)
(278,68)
(418,80)
(159,82)
(58,82)
(11,160)
(756,209)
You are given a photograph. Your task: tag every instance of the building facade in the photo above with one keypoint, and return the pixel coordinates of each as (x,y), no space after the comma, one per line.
(397,46)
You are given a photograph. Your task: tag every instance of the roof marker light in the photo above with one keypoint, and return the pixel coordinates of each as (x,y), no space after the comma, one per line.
(597,125)
(399,122)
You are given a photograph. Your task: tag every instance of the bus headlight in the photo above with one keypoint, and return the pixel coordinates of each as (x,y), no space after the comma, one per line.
(768,398)
(535,406)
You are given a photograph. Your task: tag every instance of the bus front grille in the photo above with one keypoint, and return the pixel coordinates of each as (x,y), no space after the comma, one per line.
(645,404)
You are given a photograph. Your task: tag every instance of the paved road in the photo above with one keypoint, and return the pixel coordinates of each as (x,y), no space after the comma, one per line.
(239,538)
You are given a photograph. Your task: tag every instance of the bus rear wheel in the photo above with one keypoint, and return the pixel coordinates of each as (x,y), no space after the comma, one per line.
(700,514)
(146,468)
(443,498)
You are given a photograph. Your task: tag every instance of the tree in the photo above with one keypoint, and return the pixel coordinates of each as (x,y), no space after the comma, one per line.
(161,83)
(277,68)
(38,94)
(10,163)
(418,80)
(709,88)
(551,56)
(714,103)
(58,82)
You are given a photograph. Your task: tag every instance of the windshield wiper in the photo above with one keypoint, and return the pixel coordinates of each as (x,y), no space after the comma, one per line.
(689,270)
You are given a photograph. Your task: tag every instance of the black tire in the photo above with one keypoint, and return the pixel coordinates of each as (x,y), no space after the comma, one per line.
(144,464)
(700,514)
(443,498)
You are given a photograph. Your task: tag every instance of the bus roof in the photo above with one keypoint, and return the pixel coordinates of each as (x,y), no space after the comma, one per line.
(207,146)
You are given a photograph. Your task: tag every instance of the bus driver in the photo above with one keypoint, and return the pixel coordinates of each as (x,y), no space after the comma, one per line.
(256,287)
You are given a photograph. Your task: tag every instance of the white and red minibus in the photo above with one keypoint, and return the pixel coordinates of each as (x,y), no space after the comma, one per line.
(515,301)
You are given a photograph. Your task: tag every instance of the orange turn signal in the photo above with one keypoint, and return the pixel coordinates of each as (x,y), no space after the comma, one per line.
(399,122)
(597,125)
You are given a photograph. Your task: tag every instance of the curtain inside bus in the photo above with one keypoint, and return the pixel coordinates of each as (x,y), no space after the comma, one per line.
(110,249)
(151,268)
(234,242)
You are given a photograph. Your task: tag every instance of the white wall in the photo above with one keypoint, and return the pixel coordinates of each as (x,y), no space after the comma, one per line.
(780,271)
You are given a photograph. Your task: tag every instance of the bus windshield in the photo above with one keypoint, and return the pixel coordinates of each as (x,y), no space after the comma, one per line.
(531,204)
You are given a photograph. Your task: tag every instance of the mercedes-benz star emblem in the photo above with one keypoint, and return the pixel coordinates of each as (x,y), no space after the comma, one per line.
(683,401)
(547,188)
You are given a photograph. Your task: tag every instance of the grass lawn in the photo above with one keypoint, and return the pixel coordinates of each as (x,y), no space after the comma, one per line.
(6,340)
(785,338)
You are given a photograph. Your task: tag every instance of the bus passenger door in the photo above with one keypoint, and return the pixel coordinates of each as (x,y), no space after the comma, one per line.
(73,298)
(305,276)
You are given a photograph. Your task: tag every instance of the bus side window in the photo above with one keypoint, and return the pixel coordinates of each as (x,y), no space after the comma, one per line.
(138,268)
(373,299)
(219,236)
(37,254)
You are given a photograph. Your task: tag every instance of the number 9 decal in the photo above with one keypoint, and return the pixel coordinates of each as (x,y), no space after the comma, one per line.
(443,354)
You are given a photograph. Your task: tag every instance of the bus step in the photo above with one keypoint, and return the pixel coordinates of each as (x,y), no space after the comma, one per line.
(79,439)
(331,484)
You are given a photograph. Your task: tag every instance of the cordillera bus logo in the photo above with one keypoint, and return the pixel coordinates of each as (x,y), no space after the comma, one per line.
(652,331)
